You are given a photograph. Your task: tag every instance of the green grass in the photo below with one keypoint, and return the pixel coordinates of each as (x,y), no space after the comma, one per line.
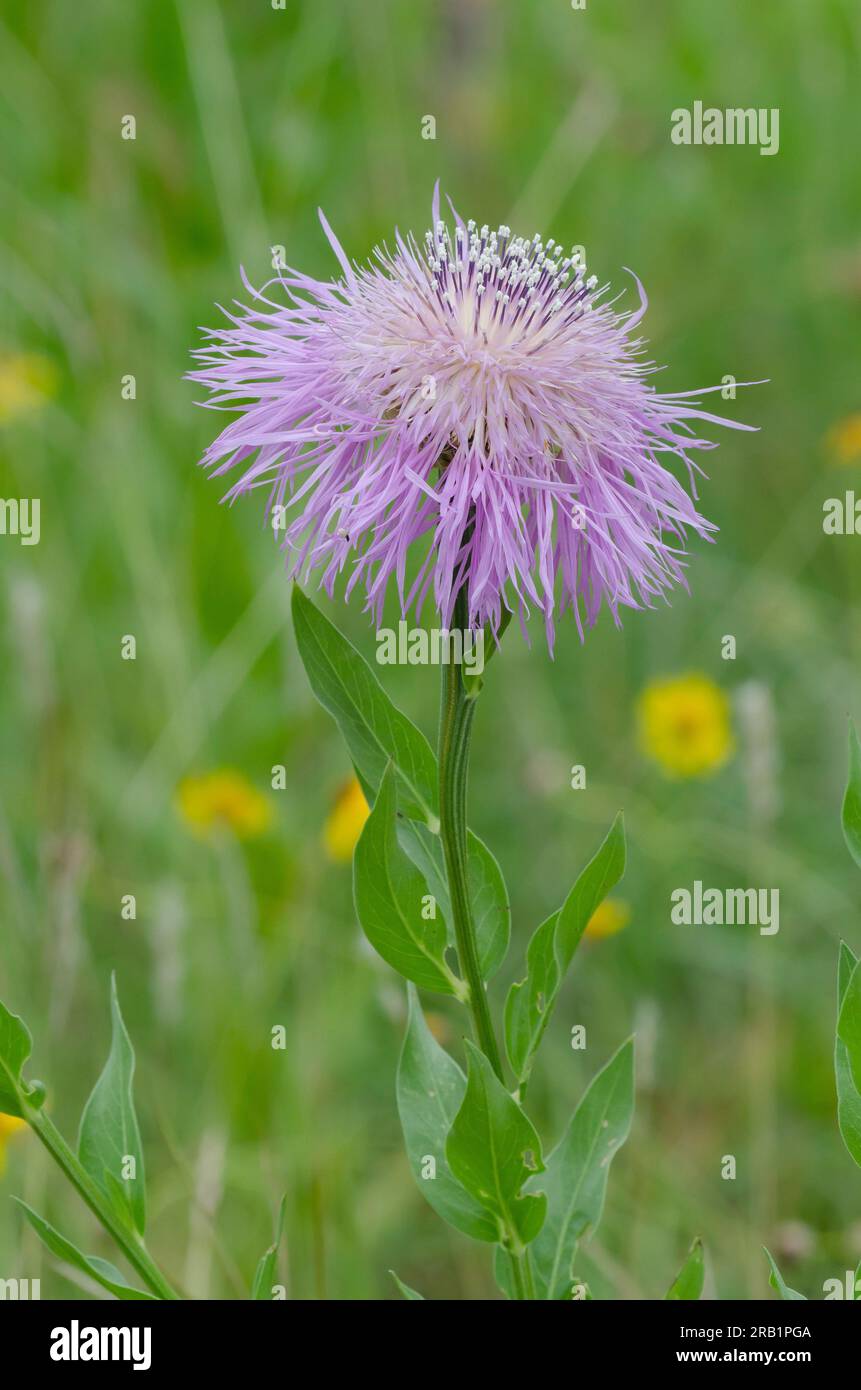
(113,254)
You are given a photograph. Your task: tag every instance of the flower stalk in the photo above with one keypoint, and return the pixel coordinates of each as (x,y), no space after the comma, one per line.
(457,710)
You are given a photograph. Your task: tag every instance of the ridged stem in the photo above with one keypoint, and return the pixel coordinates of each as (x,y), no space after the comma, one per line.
(457,709)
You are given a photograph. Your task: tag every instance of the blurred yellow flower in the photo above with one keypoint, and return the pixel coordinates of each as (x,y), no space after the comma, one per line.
(223,799)
(439,1027)
(612,915)
(9,1125)
(344,822)
(843,440)
(685,725)
(27,380)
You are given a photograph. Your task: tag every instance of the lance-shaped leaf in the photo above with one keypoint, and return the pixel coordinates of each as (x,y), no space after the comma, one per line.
(490,906)
(406,1291)
(375,731)
(848,1097)
(389,894)
(492,1150)
(852,799)
(688,1283)
(849,1024)
(576,1178)
(430,1089)
(491,911)
(777,1281)
(101,1270)
(265,1276)
(109,1142)
(15,1047)
(530,1002)
(551,950)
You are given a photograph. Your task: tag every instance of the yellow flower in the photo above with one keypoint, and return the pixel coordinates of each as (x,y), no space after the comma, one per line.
(344,822)
(685,725)
(439,1027)
(606,920)
(27,380)
(225,799)
(844,439)
(9,1125)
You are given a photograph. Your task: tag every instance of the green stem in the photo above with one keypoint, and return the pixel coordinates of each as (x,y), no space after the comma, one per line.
(131,1244)
(455,729)
(457,709)
(517,1277)
(521,1272)
(527,1275)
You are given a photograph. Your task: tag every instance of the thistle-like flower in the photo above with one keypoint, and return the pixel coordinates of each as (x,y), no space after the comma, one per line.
(483,395)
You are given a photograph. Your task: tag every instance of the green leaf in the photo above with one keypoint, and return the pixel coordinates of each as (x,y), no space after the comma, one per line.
(848,1097)
(424,850)
(852,799)
(109,1133)
(551,950)
(490,907)
(265,1276)
(688,1283)
(488,894)
(15,1048)
(849,1024)
(530,1002)
(503,1271)
(777,1282)
(492,1150)
(430,1090)
(406,1290)
(388,892)
(102,1271)
(577,1169)
(600,875)
(375,731)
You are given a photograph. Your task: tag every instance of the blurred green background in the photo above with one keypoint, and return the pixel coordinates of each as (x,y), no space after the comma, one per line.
(113,253)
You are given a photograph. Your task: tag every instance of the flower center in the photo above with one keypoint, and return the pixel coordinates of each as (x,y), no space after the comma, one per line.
(503,291)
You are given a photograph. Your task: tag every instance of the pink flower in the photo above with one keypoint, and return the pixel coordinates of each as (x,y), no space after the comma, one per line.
(483,396)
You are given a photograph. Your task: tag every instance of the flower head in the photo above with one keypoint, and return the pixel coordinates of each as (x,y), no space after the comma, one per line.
(844,439)
(611,916)
(223,799)
(481,393)
(685,725)
(345,821)
(27,381)
(9,1125)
